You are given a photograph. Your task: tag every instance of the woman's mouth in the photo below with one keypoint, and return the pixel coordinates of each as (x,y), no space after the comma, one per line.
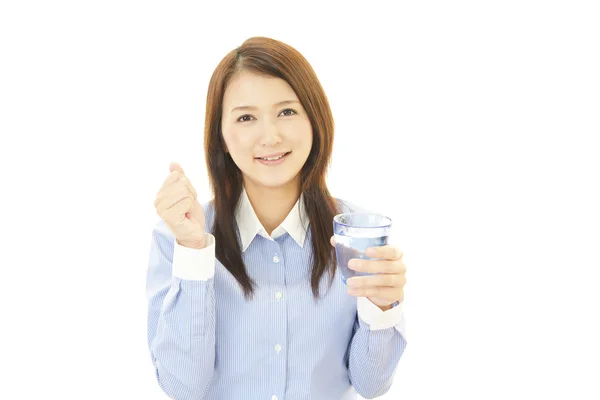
(273,159)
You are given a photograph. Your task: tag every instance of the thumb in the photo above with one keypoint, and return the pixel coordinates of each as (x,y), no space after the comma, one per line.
(175,167)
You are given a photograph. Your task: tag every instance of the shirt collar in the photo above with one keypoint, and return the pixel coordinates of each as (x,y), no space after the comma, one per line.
(296,222)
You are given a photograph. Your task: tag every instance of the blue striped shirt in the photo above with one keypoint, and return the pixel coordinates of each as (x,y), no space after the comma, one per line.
(207,342)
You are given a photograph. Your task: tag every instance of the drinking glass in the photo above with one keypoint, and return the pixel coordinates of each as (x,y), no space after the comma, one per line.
(353,234)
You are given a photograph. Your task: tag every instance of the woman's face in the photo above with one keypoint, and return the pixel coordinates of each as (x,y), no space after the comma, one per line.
(266,130)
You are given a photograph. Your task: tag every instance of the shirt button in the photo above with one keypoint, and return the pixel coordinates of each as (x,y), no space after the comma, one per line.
(277,348)
(275,259)
(278,295)
(274,397)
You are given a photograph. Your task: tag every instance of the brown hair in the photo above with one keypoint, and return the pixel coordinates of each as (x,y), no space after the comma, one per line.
(271,57)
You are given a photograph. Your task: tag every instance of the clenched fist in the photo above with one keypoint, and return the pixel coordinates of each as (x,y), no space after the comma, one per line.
(176,203)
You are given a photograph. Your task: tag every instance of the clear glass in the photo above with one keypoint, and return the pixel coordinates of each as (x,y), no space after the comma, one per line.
(353,234)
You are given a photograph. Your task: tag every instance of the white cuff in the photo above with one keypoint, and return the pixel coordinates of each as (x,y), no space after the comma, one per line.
(195,264)
(379,319)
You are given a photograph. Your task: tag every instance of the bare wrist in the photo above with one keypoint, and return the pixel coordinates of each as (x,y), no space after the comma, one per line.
(193,244)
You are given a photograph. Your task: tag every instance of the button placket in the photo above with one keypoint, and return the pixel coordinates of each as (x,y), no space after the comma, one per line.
(277,275)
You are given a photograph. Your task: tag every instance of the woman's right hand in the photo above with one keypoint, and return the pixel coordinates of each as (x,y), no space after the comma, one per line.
(176,203)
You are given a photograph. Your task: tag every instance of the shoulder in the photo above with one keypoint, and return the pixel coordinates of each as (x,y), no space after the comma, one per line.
(162,236)
(209,213)
(347,206)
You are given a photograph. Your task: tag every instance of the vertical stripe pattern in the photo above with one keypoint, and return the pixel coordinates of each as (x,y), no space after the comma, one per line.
(207,342)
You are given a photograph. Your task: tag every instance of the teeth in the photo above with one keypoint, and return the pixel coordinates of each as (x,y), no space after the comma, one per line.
(273,158)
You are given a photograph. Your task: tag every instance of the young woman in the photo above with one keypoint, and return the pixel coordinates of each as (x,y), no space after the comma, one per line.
(245,301)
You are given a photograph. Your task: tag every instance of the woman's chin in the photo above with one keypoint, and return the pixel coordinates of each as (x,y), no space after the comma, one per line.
(273,182)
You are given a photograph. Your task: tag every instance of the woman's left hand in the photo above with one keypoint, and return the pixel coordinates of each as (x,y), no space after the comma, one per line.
(386,286)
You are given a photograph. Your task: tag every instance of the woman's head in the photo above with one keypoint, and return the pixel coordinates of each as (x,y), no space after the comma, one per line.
(260,74)
(263,119)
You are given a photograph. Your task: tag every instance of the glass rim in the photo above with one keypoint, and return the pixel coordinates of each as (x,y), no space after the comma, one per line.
(388,219)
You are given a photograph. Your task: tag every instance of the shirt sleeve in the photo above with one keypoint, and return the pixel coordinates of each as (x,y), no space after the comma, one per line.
(377,344)
(378,319)
(181,314)
(194,264)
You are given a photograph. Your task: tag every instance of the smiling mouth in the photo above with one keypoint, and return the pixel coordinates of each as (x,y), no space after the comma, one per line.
(275,158)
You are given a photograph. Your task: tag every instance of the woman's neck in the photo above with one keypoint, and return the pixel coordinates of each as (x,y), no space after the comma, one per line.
(272,205)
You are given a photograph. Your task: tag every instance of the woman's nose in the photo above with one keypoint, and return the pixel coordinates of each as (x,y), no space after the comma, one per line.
(270,136)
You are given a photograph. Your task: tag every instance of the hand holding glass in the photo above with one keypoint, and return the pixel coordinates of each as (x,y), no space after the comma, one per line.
(353,234)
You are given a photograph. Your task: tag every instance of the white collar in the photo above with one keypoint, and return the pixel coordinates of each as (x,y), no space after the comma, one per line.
(296,222)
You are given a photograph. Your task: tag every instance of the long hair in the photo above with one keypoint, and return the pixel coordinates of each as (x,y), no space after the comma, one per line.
(269,57)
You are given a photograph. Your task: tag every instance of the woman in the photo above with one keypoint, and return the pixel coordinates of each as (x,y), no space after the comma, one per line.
(244,302)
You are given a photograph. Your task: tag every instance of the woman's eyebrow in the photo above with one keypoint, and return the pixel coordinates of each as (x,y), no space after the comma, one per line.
(274,105)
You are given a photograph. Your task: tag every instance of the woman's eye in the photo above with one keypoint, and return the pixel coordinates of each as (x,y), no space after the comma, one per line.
(288,112)
(243,118)
(288,109)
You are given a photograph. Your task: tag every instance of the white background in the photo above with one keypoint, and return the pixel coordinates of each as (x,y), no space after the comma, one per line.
(473,124)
